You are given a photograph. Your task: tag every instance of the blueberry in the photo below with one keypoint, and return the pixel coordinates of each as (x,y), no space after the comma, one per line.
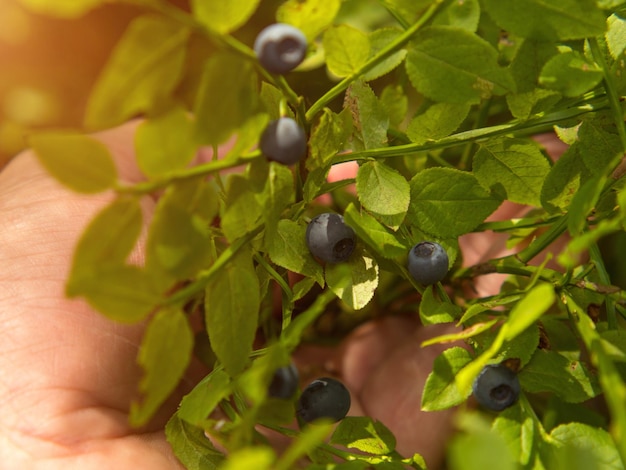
(323,398)
(284,141)
(284,382)
(329,238)
(496,387)
(428,263)
(280,48)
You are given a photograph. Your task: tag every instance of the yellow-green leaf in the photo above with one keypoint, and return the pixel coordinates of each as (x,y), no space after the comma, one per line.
(78,161)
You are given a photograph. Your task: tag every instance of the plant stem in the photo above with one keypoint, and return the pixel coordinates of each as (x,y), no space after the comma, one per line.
(184,294)
(543,241)
(193,172)
(392,47)
(529,126)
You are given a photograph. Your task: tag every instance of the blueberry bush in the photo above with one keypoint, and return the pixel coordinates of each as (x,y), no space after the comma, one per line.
(437,101)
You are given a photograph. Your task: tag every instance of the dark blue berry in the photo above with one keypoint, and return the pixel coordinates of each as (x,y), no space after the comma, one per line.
(496,387)
(280,48)
(323,398)
(284,382)
(329,238)
(284,141)
(428,263)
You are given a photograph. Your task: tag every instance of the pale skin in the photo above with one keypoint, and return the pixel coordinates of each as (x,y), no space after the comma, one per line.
(68,375)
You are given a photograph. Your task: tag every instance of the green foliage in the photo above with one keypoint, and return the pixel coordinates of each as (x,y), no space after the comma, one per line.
(141,74)
(164,356)
(437,103)
(79,162)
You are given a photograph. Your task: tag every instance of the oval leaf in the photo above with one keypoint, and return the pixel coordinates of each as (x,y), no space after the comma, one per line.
(384,192)
(164,355)
(355,280)
(143,70)
(232,302)
(452,65)
(447,203)
(78,161)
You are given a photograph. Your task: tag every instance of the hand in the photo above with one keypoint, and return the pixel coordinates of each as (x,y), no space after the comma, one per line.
(68,375)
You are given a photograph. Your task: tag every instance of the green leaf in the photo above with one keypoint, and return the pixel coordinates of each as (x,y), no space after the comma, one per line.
(516,425)
(522,349)
(122,293)
(447,203)
(191,446)
(565,178)
(232,303)
(616,35)
(480,450)
(592,444)
(106,242)
(529,60)
(178,241)
(309,16)
(355,280)
(278,193)
(570,73)
(250,458)
(164,355)
(347,49)
(524,314)
(372,232)
(440,390)
(329,136)
(395,102)
(433,310)
(583,203)
(451,65)
(524,105)
(308,440)
(223,17)
(379,39)
(62,8)
(255,381)
(384,192)
(197,405)
(78,161)
(464,14)
(164,143)
(242,212)
(229,91)
(140,75)
(370,119)
(365,434)
(548,21)
(438,121)
(408,10)
(549,371)
(288,249)
(247,135)
(598,145)
(514,168)
(528,310)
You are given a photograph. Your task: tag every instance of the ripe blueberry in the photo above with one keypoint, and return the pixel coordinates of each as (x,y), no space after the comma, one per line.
(280,48)
(284,382)
(329,238)
(323,398)
(496,387)
(284,141)
(428,263)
